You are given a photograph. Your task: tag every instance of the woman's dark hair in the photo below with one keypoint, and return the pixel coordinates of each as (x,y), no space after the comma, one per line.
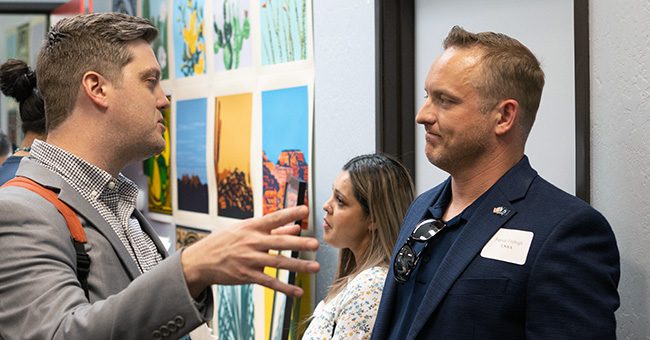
(5,145)
(19,81)
(384,189)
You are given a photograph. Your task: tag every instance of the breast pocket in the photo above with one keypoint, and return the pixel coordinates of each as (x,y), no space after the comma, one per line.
(480,286)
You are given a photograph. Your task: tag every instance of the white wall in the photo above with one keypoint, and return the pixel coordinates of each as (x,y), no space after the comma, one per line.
(620,147)
(344,125)
(620,114)
(546,27)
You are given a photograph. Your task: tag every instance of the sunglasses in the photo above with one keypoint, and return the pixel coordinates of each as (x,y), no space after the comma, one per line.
(407,258)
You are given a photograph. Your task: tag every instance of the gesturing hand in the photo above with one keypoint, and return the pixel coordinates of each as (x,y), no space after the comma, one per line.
(238,254)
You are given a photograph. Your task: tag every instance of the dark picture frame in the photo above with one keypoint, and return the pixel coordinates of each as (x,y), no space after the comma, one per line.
(395,86)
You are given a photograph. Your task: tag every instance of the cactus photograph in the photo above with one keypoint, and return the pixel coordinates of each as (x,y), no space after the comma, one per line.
(231,29)
(232,154)
(283,29)
(189,38)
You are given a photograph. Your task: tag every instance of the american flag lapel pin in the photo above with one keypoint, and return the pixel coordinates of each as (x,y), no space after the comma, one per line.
(501,211)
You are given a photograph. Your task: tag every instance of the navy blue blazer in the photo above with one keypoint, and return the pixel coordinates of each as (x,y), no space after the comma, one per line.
(566,289)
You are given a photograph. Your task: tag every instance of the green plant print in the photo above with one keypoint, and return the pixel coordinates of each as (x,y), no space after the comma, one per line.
(236,313)
(230,38)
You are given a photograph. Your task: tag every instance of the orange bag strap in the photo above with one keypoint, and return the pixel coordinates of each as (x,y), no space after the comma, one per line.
(71,219)
(76,230)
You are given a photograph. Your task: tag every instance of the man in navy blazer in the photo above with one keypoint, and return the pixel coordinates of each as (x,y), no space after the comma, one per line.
(495,251)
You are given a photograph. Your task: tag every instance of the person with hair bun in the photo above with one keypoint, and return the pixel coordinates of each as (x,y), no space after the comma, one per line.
(17,80)
(362,218)
(114,279)
(5,147)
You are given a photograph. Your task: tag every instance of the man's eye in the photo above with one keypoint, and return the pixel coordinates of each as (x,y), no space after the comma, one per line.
(444,100)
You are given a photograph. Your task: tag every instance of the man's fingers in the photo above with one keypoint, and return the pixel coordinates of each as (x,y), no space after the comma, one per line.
(293,229)
(278,218)
(290,264)
(275,284)
(289,242)
(261,260)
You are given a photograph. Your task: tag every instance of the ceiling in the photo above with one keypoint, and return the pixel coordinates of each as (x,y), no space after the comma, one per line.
(29,6)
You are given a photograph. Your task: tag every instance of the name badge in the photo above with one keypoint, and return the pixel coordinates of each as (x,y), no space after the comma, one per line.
(509,245)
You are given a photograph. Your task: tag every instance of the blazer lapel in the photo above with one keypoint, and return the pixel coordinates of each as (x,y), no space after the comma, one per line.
(31,169)
(475,234)
(148,229)
(419,210)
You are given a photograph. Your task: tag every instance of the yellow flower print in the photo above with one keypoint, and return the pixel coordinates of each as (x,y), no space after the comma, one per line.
(198,67)
(190,34)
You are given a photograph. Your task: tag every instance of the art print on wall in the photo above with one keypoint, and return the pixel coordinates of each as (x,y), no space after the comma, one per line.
(186,236)
(285,140)
(232,155)
(231,30)
(158,171)
(283,319)
(156,12)
(189,38)
(22,42)
(236,312)
(192,182)
(284,313)
(284,31)
(124,6)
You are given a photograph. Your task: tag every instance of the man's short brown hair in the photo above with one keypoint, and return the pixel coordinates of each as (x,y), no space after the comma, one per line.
(508,70)
(92,42)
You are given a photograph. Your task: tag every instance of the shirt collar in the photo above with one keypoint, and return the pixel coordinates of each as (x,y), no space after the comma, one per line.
(438,207)
(87,179)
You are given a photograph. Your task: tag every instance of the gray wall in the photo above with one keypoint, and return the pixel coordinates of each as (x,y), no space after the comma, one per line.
(344,124)
(620,114)
(545,27)
(620,147)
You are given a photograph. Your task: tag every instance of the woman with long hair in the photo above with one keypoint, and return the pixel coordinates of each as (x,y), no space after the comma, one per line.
(19,81)
(362,218)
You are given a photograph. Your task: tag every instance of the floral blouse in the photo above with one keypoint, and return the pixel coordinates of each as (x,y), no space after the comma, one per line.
(352,312)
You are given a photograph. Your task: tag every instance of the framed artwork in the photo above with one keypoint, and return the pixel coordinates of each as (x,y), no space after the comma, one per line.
(22,42)
(156,12)
(158,171)
(185,236)
(284,31)
(124,6)
(233,119)
(405,52)
(236,312)
(191,177)
(231,29)
(189,38)
(285,150)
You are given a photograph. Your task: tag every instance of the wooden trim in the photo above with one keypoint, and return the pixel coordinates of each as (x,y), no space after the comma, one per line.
(395,82)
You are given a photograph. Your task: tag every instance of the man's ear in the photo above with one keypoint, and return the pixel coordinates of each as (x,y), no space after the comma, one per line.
(507,116)
(95,87)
